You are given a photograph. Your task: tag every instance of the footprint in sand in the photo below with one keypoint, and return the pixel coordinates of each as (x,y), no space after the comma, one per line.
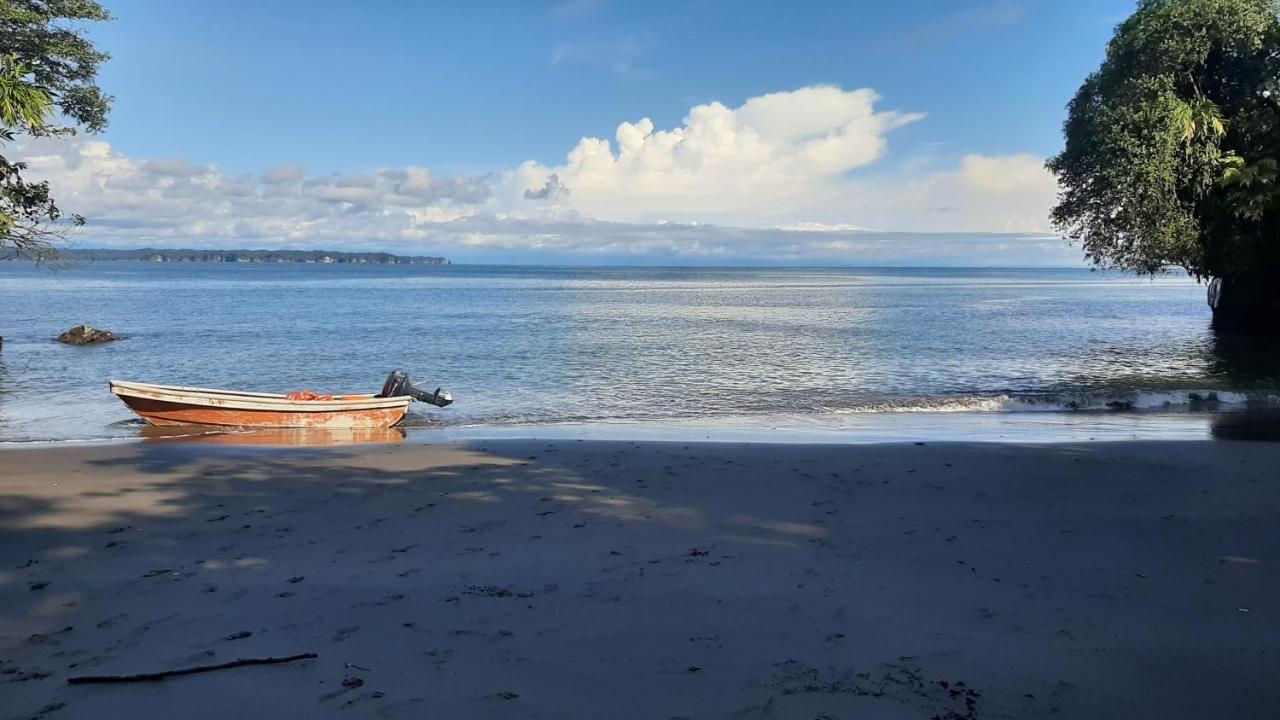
(203,656)
(348,684)
(363,697)
(345,633)
(112,621)
(393,709)
(52,707)
(439,656)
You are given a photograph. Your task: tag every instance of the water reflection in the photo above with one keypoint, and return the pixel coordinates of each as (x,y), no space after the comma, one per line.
(1261,425)
(1244,359)
(282,437)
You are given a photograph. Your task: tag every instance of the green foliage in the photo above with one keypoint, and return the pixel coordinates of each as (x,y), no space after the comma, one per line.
(1251,190)
(48,74)
(22,102)
(1159,139)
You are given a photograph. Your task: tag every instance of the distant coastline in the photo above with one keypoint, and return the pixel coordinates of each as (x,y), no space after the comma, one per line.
(321,257)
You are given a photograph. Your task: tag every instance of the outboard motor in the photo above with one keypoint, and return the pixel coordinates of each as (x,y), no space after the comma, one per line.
(398,384)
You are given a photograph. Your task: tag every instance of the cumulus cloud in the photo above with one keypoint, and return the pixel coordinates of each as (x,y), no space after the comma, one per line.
(783,176)
(553,187)
(810,158)
(723,164)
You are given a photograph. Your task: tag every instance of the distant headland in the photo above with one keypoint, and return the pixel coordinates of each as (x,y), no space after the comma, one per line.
(323,257)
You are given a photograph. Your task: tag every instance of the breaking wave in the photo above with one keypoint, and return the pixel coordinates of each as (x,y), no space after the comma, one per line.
(1135,401)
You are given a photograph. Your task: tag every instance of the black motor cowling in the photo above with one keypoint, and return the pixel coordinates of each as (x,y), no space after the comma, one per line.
(398,384)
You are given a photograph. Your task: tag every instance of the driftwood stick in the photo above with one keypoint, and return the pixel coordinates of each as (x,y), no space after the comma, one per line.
(147,677)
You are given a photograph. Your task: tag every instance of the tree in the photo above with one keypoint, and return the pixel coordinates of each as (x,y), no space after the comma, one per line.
(1170,155)
(48,87)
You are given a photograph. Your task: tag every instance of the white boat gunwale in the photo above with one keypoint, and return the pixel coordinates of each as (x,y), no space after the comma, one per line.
(241,400)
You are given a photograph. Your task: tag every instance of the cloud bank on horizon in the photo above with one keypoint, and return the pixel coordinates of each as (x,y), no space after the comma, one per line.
(796,176)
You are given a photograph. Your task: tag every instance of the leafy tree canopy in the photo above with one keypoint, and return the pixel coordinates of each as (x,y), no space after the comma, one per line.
(1171,146)
(48,86)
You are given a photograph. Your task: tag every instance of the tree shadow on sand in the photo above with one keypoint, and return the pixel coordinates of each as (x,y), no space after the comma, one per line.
(714,581)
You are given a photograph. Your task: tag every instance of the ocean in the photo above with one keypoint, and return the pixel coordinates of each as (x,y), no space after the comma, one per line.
(529,348)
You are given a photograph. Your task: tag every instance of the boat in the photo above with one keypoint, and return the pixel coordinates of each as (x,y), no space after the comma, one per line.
(171,405)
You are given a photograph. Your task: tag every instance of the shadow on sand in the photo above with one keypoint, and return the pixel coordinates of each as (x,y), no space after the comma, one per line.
(518,578)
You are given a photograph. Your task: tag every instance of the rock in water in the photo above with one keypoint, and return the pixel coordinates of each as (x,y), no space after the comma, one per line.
(85,335)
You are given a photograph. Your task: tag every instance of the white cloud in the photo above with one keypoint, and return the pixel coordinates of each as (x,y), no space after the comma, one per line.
(553,187)
(994,193)
(1006,175)
(173,167)
(575,236)
(729,165)
(820,227)
(130,201)
(785,176)
(278,174)
(810,156)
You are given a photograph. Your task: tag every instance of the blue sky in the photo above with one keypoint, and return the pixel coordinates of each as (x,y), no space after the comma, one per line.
(961,101)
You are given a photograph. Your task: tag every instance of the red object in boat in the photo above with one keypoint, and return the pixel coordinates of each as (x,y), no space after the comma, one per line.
(307,395)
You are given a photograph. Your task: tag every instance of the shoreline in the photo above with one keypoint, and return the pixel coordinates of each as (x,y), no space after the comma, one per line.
(567,578)
(1056,426)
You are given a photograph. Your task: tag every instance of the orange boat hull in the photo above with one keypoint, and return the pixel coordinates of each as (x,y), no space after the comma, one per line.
(277,437)
(167,414)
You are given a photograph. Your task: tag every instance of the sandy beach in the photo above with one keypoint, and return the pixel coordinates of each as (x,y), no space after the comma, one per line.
(565,579)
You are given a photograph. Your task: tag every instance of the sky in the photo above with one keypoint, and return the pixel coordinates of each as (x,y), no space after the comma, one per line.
(586,131)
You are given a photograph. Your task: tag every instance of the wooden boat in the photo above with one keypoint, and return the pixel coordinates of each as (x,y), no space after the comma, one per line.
(169,405)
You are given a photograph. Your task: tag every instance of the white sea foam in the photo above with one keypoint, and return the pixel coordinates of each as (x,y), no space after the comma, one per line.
(65,441)
(1082,401)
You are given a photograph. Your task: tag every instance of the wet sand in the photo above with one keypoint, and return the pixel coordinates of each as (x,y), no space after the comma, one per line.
(563,579)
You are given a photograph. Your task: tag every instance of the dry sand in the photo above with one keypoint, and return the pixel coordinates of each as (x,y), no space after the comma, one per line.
(566,579)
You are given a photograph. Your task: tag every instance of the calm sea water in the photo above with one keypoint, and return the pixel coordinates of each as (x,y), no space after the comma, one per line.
(817,348)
